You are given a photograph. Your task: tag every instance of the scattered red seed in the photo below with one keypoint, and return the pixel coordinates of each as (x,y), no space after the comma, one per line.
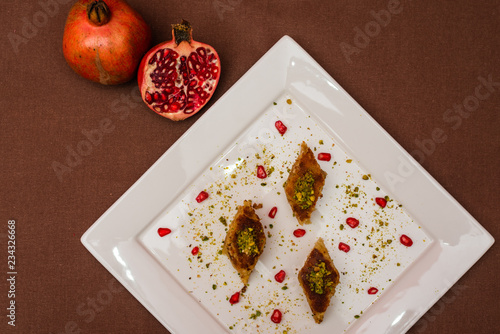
(406,240)
(299,233)
(201,196)
(280,127)
(352,222)
(381,201)
(372,291)
(280,277)
(195,250)
(261,172)
(324,156)
(276,316)
(163,231)
(344,247)
(273,211)
(234,298)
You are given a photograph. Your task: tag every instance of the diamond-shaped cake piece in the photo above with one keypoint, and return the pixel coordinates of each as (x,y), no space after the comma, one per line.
(304,185)
(319,278)
(245,240)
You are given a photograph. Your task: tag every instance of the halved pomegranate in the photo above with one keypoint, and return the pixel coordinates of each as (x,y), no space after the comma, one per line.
(177,78)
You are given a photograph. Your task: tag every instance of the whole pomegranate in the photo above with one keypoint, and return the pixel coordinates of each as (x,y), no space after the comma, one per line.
(105,40)
(177,78)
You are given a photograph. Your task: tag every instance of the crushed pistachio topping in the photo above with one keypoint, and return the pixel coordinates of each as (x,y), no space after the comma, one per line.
(318,279)
(247,242)
(304,190)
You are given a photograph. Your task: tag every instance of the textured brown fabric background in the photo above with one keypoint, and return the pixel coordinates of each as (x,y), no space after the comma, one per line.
(427,59)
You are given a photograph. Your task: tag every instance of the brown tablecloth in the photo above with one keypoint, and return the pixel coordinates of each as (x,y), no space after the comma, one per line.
(407,69)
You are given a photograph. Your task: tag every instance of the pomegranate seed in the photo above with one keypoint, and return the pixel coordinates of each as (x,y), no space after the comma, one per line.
(273,211)
(381,201)
(163,231)
(372,291)
(195,250)
(406,240)
(352,222)
(299,233)
(280,277)
(201,196)
(344,247)
(324,156)
(280,127)
(261,172)
(276,316)
(234,298)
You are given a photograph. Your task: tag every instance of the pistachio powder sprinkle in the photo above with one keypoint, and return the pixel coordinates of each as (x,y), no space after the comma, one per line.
(304,190)
(318,279)
(247,242)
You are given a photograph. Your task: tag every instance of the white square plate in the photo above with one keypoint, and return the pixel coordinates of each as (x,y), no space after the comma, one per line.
(219,153)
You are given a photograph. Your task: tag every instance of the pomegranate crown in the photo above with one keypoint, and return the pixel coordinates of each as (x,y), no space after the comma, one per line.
(98,12)
(182,32)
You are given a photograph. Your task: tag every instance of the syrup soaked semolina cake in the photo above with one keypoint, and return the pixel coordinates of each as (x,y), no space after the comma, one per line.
(319,278)
(245,240)
(304,185)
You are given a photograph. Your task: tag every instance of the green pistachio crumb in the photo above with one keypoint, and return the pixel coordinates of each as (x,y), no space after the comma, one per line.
(223,220)
(255,315)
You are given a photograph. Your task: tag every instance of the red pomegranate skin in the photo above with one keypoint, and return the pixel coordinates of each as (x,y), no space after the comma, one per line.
(110,53)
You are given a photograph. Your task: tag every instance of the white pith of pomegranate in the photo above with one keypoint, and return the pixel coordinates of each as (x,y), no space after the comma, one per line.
(177,78)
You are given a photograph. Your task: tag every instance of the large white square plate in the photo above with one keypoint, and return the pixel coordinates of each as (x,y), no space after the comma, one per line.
(448,241)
